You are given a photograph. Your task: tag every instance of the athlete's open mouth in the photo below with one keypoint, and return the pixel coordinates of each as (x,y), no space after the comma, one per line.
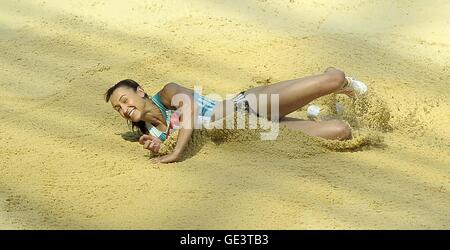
(131,112)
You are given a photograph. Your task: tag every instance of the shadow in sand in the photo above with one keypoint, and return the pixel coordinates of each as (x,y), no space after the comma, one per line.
(130,136)
(35,213)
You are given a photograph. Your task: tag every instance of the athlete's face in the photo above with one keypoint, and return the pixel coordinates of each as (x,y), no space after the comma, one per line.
(129,103)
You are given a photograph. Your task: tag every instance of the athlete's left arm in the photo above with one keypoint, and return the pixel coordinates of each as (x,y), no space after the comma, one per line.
(176,96)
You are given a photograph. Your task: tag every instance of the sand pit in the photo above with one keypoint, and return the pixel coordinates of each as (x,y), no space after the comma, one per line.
(67,160)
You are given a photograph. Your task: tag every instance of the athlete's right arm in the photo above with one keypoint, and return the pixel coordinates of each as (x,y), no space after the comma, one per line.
(182,99)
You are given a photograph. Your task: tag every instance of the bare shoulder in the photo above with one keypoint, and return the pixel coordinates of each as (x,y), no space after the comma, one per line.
(171,89)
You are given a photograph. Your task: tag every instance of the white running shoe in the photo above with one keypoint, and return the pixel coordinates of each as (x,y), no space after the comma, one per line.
(313,112)
(358,87)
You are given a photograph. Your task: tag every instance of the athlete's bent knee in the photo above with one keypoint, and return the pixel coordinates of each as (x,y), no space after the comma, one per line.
(342,130)
(337,77)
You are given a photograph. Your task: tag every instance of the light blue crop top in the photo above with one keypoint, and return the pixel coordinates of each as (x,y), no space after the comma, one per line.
(205,106)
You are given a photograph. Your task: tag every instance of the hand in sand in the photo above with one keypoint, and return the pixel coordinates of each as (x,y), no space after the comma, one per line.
(150,142)
(172,157)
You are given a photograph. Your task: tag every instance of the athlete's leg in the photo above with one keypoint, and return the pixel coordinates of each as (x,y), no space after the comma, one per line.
(294,94)
(331,129)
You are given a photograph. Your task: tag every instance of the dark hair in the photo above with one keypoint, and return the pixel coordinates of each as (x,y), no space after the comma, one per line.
(132,85)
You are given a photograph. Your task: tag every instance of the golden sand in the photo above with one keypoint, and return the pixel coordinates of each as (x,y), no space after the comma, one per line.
(67,160)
